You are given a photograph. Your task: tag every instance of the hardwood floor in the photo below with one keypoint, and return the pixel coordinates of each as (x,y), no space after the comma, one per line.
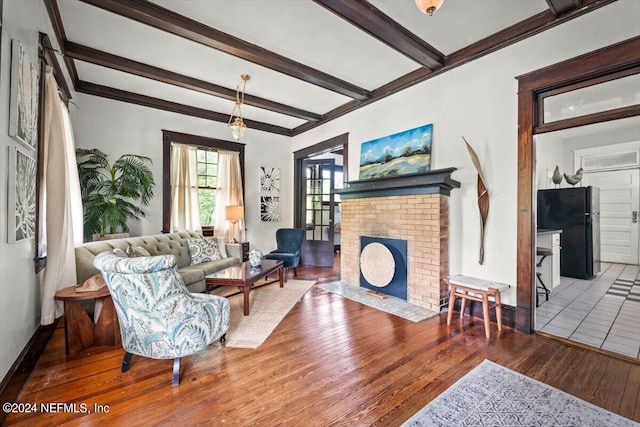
(331,361)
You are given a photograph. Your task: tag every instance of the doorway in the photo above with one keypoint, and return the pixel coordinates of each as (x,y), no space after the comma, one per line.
(600,311)
(318,205)
(318,171)
(568,77)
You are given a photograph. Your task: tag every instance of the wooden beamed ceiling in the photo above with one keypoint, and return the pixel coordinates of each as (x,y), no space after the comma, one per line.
(361,14)
(372,21)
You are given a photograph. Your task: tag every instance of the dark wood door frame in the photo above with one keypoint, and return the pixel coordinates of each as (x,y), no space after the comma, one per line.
(594,66)
(316,149)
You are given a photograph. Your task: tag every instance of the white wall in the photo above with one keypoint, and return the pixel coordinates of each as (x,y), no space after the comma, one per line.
(549,154)
(479,100)
(19,289)
(557,148)
(628,133)
(119,128)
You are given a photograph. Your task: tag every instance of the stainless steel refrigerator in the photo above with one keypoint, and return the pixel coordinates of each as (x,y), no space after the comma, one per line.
(575,211)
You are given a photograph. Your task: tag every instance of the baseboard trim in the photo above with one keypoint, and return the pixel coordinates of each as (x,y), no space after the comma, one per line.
(475,309)
(15,378)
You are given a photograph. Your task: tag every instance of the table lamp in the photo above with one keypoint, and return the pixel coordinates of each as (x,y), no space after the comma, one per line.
(234,214)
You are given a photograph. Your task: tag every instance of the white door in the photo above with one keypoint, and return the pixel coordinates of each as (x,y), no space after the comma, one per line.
(619,199)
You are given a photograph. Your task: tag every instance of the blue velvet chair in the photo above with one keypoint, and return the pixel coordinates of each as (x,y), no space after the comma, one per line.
(159,318)
(289,249)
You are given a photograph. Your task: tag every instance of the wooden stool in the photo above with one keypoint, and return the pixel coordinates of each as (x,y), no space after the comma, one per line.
(464,287)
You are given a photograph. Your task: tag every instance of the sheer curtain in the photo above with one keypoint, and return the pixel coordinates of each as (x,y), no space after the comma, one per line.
(185,208)
(61,204)
(229,191)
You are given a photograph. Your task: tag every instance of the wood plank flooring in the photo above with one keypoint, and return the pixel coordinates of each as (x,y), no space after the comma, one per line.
(331,361)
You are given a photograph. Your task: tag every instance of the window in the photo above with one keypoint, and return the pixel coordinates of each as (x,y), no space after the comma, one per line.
(209,148)
(207,183)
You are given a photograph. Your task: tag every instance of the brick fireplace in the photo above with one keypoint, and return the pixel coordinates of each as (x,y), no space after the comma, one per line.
(413,208)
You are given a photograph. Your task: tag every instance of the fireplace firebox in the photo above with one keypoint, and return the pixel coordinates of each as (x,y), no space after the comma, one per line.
(383,265)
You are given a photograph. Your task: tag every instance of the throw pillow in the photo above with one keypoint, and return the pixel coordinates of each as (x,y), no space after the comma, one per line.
(119,252)
(203,250)
(223,249)
(93,283)
(137,251)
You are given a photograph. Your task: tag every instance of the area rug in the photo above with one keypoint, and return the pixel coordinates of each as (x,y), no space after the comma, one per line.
(391,305)
(492,395)
(268,303)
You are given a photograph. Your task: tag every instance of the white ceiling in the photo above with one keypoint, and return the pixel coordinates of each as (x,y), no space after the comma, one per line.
(300,30)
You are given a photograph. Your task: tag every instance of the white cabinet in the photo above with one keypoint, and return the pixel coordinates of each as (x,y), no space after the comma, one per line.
(550,269)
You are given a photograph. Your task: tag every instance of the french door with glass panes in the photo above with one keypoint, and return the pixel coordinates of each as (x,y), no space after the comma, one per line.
(318,207)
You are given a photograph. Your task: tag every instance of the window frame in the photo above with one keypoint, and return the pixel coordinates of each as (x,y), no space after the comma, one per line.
(206,175)
(169,137)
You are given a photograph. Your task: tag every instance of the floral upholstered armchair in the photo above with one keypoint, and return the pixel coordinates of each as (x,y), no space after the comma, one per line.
(159,318)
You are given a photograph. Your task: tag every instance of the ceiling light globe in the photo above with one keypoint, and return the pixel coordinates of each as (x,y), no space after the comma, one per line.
(429,6)
(237,128)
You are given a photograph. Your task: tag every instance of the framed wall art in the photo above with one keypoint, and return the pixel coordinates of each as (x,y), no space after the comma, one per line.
(269,180)
(269,194)
(21,215)
(23,107)
(402,153)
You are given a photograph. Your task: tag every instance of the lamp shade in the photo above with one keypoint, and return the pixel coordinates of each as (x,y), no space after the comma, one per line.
(234,213)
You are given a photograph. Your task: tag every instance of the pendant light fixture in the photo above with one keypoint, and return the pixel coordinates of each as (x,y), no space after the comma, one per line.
(236,124)
(429,6)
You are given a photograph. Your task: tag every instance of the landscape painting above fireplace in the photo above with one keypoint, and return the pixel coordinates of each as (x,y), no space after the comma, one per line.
(403,153)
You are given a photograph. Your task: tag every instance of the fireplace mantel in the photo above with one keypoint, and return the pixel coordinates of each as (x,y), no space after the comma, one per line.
(432,182)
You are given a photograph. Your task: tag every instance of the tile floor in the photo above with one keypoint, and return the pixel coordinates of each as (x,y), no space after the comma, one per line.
(583,311)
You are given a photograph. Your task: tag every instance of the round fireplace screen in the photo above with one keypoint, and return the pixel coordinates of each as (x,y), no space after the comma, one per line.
(377,264)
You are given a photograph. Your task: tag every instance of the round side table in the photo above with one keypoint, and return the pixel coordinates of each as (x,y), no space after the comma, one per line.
(80,331)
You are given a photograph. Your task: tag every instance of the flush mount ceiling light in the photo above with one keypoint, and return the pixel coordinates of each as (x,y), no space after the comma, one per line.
(429,6)
(236,124)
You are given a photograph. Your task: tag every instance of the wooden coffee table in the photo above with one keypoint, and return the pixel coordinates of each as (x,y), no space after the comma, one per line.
(244,276)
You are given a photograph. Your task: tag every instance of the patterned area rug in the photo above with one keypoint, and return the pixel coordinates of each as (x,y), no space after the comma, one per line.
(391,305)
(492,395)
(268,303)
(628,289)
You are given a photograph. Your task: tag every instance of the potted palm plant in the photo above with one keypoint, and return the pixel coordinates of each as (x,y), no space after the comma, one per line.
(109,191)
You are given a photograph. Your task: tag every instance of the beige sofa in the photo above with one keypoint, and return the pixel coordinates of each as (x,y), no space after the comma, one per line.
(160,244)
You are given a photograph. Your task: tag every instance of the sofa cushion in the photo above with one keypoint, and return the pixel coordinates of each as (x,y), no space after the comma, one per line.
(119,252)
(161,244)
(191,275)
(223,247)
(203,250)
(137,251)
(93,283)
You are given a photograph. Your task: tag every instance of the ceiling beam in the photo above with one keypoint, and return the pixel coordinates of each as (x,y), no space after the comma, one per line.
(58,28)
(517,32)
(560,7)
(105,59)
(174,107)
(50,55)
(166,20)
(374,22)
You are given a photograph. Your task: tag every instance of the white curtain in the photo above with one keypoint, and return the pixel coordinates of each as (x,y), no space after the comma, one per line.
(185,208)
(61,204)
(229,191)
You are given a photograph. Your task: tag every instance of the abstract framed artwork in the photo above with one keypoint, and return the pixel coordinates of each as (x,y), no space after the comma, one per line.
(23,107)
(21,215)
(269,180)
(403,153)
(269,208)
(269,194)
